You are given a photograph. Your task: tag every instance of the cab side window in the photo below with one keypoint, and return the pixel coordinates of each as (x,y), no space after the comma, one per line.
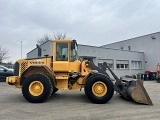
(62,52)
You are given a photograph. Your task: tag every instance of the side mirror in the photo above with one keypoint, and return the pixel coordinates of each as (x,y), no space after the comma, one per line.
(73,45)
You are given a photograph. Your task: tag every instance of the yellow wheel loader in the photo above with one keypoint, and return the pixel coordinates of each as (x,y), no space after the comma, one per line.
(40,78)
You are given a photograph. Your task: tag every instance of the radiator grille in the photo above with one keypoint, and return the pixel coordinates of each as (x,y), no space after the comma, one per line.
(23,67)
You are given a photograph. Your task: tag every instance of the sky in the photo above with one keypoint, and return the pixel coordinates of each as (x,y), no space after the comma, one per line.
(90,22)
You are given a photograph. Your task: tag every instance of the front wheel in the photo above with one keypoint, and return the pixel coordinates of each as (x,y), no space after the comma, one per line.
(99,89)
(37,88)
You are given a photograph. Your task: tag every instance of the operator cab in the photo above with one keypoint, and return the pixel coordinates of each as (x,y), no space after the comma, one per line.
(66,56)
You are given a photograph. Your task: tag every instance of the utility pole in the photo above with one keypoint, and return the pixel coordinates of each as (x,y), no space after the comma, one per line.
(21,49)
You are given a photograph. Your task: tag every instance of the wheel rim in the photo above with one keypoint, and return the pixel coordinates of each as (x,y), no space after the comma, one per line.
(36,88)
(99,89)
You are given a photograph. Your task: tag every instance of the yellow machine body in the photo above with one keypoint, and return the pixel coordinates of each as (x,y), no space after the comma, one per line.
(58,70)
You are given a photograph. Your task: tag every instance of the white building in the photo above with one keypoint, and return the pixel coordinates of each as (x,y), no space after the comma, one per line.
(126,57)
(149,44)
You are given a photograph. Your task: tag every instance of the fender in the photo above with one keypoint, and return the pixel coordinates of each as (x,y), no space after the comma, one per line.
(36,69)
(94,67)
(92,72)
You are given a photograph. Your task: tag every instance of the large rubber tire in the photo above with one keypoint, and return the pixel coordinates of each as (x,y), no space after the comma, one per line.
(37,88)
(99,89)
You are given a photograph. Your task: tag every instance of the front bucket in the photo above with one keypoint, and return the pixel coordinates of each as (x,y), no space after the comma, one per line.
(139,94)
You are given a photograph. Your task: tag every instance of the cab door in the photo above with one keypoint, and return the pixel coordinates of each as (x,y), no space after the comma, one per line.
(61,57)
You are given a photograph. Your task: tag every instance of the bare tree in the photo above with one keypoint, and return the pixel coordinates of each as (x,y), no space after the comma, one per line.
(44,39)
(57,36)
(60,36)
(3,53)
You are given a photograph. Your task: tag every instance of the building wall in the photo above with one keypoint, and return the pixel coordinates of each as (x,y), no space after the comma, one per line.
(149,44)
(32,54)
(113,54)
(46,49)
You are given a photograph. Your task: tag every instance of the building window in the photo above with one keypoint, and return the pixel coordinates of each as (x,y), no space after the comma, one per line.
(136,64)
(101,63)
(122,64)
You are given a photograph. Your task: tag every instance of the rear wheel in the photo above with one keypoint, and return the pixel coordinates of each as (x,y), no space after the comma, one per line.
(37,88)
(99,89)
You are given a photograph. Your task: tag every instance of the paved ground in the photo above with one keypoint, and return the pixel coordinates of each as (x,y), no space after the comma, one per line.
(74,105)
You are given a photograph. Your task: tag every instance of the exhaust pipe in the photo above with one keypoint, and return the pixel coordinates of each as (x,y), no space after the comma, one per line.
(39,50)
